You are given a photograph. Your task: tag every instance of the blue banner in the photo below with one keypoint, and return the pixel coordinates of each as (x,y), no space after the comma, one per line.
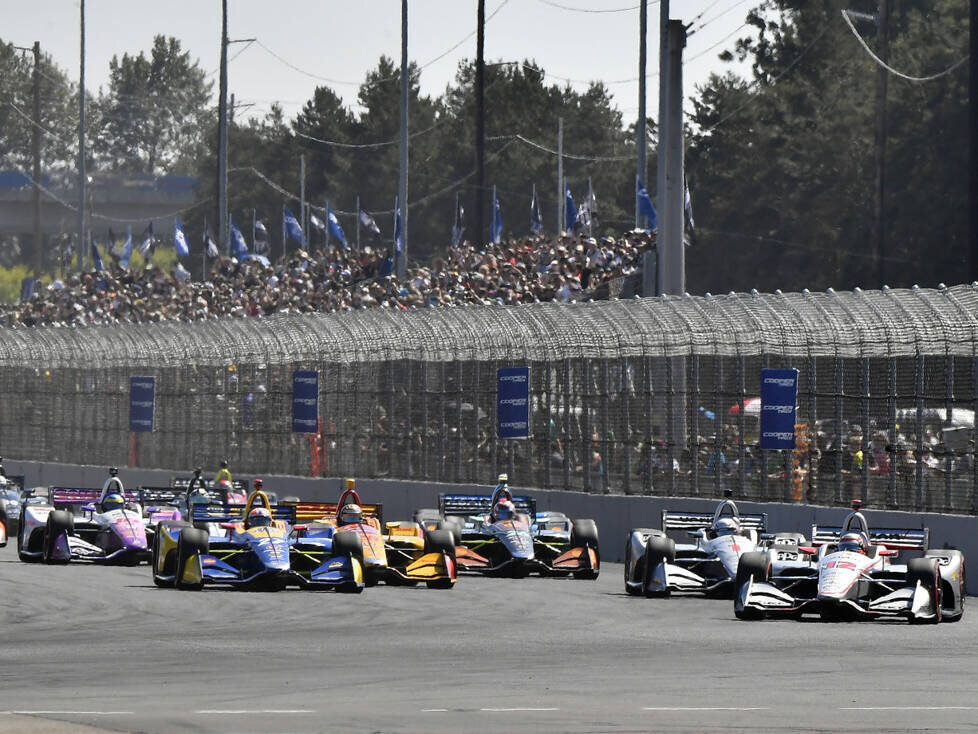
(305,401)
(779,407)
(142,401)
(513,395)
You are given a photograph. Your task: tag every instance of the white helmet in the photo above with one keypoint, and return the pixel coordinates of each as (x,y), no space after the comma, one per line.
(727,525)
(351,513)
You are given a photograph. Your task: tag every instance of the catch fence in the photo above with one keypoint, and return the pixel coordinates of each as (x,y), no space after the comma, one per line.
(640,396)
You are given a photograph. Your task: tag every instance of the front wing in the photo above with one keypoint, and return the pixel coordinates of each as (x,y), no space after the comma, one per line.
(549,560)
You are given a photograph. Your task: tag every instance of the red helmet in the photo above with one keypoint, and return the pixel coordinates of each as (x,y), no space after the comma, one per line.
(258,484)
(259,517)
(853,542)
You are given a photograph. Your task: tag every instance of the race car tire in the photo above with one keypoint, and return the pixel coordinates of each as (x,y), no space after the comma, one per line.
(755,566)
(658,548)
(631,590)
(59,521)
(20,542)
(585,534)
(958,595)
(192,541)
(156,551)
(927,572)
(451,525)
(348,544)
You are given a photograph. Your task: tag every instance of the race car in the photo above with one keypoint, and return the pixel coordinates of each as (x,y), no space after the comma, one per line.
(249,546)
(849,573)
(394,552)
(11,489)
(655,565)
(73,525)
(503,535)
(228,492)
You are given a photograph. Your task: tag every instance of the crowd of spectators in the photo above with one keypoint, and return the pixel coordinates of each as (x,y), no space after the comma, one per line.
(515,271)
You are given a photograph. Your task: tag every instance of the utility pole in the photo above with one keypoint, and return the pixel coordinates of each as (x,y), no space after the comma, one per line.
(480,123)
(973,142)
(879,234)
(641,137)
(36,154)
(672,258)
(81,145)
(402,184)
(652,260)
(222,139)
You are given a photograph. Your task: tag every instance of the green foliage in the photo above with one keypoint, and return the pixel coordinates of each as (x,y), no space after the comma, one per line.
(10,279)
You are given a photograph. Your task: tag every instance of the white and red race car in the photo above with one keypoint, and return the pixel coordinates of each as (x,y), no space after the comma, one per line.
(850,572)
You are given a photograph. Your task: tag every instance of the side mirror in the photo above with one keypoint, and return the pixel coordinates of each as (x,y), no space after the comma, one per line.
(89,507)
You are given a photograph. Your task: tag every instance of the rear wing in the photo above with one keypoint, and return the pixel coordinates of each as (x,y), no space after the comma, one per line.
(182,483)
(235,513)
(673,520)
(65,496)
(310,511)
(893,538)
(480,504)
(160,496)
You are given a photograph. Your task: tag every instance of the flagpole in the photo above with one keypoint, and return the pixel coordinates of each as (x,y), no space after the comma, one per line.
(560,175)
(254,216)
(284,245)
(327,226)
(358,222)
(402,184)
(302,198)
(203,255)
(590,214)
(533,203)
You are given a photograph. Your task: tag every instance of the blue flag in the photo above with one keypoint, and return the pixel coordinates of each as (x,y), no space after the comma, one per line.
(536,221)
(180,239)
(570,216)
(292,228)
(26,289)
(386,268)
(97,257)
(127,247)
(645,208)
(398,232)
(334,227)
(239,248)
(496,231)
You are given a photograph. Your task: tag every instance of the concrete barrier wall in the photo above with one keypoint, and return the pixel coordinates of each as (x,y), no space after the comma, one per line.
(614,514)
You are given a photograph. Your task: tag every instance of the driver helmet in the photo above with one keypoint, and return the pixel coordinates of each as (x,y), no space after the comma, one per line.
(853,542)
(258,485)
(199,497)
(503,479)
(727,526)
(259,517)
(224,464)
(197,471)
(350,514)
(113,501)
(113,471)
(505,510)
(224,484)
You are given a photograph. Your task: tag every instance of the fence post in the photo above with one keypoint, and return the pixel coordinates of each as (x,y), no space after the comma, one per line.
(865,442)
(694,464)
(650,422)
(892,450)
(624,394)
(812,488)
(586,425)
(567,422)
(671,444)
(948,408)
(919,448)
(741,427)
(718,468)
(458,419)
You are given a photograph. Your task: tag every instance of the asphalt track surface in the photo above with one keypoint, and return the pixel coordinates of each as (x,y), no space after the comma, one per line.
(87,648)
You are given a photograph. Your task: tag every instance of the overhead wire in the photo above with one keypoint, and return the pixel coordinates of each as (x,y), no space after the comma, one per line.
(572,9)
(883,64)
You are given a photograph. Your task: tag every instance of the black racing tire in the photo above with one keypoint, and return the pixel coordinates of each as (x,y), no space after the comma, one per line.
(630,590)
(658,548)
(347,544)
(961,592)
(156,550)
(192,541)
(449,525)
(20,541)
(440,541)
(59,521)
(927,572)
(585,534)
(755,566)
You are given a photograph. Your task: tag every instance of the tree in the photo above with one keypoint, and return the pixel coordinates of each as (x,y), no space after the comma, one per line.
(155,113)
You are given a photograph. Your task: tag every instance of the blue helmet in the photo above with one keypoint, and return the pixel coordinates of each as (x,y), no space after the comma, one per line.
(113,501)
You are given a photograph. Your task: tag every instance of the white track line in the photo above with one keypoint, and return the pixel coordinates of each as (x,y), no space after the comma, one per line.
(433,711)
(908,708)
(705,708)
(67,713)
(219,712)
(508,710)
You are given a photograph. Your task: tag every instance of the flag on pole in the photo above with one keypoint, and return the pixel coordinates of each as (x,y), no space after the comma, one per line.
(180,239)
(497,220)
(334,226)
(688,216)
(317,223)
(26,289)
(570,216)
(292,228)
(368,221)
(398,232)
(96,257)
(115,249)
(127,248)
(587,216)
(146,241)
(239,248)
(536,221)
(212,251)
(458,227)
(262,243)
(645,208)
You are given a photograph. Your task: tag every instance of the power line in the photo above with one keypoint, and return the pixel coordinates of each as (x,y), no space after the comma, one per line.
(591,10)
(545,149)
(878,60)
(705,23)
(722,40)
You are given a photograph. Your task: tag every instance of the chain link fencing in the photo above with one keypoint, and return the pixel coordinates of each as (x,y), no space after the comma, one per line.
(639,396)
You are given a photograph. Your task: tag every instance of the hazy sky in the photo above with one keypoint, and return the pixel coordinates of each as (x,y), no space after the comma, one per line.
(334,42)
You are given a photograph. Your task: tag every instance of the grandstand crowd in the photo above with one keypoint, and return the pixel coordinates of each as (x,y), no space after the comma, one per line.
(515,271)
